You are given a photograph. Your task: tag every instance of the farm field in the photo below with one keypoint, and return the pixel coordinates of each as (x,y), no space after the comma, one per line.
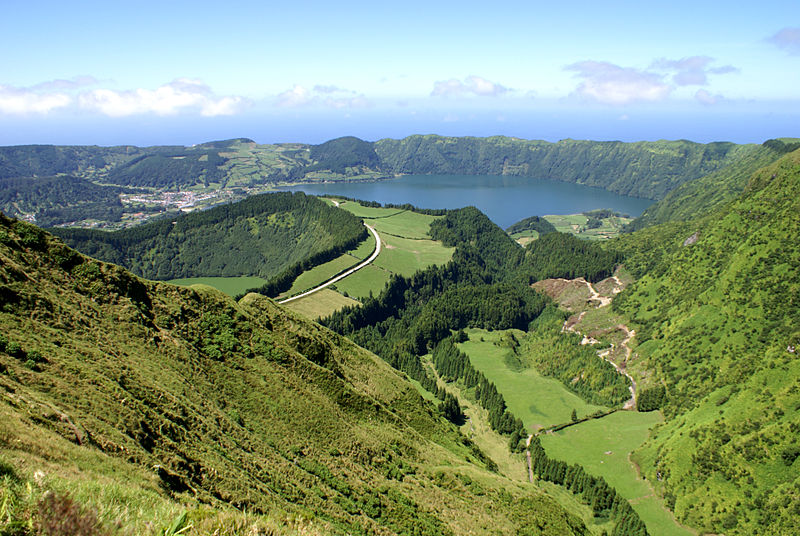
(320,304)
(319,274)
(368,279)
(537,400)
(524,238)
(405,256)
(229,285)
(576,224)
(601,446)
(407,247)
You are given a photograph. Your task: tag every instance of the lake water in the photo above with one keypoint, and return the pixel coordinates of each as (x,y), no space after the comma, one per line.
(505,200)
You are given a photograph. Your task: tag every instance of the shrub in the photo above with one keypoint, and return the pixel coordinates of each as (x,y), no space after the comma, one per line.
(14,349)
(59,515)
(790,454)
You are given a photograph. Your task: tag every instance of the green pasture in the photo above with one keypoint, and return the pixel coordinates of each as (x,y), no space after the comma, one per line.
(406,224)
(406,248)
(319,274)
(576,224)
(368,279)
(602,447)
(537,400)
(368,212)
(229,285)
(320,304)
(405,256)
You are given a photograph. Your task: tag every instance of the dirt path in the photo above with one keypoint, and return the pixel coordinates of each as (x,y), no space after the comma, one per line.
(528,455)
(605,301)
(629,334)
(341,276)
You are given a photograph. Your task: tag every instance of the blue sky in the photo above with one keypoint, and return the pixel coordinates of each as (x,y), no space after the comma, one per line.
(186,72)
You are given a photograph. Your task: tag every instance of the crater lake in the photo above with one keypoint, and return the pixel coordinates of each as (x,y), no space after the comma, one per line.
(504,199)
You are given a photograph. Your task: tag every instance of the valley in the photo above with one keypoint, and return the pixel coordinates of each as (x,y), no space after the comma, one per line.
(369,368)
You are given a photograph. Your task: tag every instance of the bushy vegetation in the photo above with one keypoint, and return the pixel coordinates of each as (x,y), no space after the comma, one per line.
(698,197)
(716,316)
(158,404)
(271,235)
(170,170)
(564,255)
(342,153)
(577,366)
(50,160)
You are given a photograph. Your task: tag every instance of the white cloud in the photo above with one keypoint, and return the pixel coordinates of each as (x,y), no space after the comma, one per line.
(471,85)
(706,98)
(788,39)
(21,101)
(691,71)
(182,94)
(297,96)
(41,98)
(611,84)
(320,95)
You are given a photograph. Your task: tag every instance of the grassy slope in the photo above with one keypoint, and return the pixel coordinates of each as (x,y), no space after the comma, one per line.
(139,396)
(320,304)
(715,322)
(231,286)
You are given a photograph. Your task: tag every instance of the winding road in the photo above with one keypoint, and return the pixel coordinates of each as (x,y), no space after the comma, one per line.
(341,276)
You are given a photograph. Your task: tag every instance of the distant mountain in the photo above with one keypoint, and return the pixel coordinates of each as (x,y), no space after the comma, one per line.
(642,169)
(150,407)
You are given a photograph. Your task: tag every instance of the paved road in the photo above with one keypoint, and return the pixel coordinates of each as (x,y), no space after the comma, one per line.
(341,276)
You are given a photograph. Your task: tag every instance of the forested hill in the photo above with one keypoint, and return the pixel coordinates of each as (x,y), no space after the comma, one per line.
(641,169)
(262,235)
(716,309)
(135,407)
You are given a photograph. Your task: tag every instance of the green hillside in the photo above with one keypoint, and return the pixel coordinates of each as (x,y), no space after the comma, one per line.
(698,197)
(134,407)
(260,236)
(716,310)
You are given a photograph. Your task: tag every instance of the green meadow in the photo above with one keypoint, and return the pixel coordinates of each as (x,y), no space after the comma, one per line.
(537,400)
(319,304)
(576,224)
(602,447)
(369,279)
(319,274)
